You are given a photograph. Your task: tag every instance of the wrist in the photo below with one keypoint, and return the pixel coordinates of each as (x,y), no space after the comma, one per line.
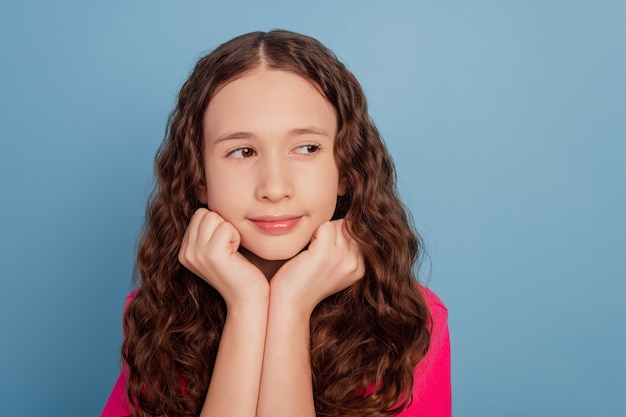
(251,304)
(285,299)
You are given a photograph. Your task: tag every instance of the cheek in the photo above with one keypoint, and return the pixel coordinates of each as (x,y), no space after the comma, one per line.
(326,191)
(220,195)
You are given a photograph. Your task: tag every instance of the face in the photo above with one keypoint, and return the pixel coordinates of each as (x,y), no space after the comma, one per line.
(268,160)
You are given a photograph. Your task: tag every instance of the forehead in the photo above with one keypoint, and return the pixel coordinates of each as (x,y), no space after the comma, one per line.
(268,99)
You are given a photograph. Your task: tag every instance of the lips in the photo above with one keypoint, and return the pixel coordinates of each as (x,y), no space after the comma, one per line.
(276,224)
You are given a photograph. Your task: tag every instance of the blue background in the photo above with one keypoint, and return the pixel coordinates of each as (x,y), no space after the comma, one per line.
(507,123)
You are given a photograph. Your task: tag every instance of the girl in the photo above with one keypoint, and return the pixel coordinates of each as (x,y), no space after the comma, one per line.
(276,261)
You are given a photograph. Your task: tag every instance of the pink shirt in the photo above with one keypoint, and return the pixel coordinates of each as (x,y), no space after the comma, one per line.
(431,389)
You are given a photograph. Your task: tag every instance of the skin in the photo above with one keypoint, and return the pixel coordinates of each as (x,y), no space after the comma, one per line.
(268,152)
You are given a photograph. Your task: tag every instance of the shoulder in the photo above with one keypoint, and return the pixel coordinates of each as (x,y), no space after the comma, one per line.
(438,310)
(431,388)
(430,296)
(130,297)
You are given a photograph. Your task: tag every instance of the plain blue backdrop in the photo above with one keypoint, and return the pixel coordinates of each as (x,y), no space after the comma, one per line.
(507,124)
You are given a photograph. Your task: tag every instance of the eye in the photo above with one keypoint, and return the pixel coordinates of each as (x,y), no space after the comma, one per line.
(308,149)
(241,153)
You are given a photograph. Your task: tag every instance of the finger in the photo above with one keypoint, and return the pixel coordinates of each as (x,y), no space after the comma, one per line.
(360,272)
(209,222)
(313,241)
(339,231)
(191,233)
(343,238)
(342,234)
(225,238)
(326,234)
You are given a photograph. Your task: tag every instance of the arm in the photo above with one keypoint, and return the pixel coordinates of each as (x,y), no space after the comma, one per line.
(286,386)
(330,264)
(234,386)
(209,249)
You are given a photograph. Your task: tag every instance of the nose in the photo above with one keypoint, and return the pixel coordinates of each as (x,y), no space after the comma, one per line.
(274,182)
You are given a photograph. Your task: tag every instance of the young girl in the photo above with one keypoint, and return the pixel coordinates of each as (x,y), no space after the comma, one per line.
(276,261)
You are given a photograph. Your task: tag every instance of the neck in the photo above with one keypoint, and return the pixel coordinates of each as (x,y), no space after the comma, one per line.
(268,267)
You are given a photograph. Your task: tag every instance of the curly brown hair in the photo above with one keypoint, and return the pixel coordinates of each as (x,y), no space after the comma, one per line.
(371,334)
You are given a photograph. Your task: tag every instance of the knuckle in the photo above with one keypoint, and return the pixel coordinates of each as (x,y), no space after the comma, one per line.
(326,227)
(359,267)
(199,212)
(214,216)
(183,258)
(222,226)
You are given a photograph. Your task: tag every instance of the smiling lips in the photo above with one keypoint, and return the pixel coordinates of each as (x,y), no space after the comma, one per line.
(276,224)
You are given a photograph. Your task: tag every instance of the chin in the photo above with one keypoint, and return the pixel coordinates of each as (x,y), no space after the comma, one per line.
(275,253)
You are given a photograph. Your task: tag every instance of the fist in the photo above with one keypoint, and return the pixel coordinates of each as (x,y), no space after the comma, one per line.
(209,249)
(331,263)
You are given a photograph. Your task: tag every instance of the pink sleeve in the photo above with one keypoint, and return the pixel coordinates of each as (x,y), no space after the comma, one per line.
(431,390)
(117,404)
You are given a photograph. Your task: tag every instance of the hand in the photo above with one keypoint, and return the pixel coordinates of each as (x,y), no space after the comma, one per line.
(331,263)
(209,250)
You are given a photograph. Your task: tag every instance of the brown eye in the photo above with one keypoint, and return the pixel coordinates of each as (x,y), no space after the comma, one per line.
(307,149)
(242,153)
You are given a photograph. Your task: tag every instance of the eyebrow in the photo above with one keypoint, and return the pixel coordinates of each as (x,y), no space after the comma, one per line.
(233,136)
(308,130)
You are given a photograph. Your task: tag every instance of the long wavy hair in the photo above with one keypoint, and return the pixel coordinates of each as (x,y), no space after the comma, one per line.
(365,340)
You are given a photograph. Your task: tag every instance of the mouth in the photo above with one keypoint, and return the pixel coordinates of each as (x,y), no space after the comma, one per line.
(276,224)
